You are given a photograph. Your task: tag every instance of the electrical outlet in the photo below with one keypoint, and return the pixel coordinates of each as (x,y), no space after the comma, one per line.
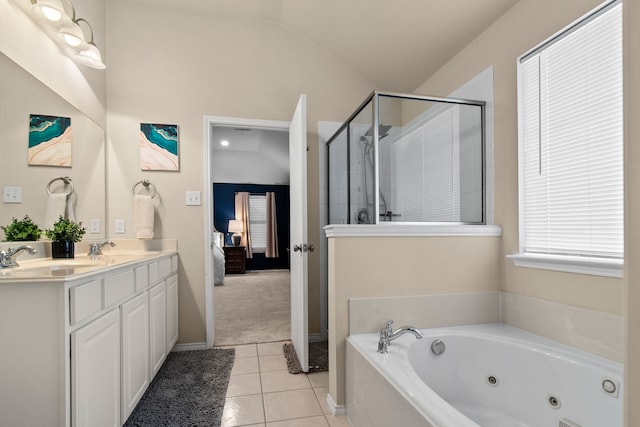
(193,198)
(12,195)
(94,227)
(120,226)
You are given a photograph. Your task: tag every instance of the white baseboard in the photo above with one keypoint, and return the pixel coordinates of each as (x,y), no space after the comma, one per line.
(190,346)
(335,409)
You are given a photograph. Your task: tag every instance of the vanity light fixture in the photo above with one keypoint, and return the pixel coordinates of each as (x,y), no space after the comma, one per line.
(69,31)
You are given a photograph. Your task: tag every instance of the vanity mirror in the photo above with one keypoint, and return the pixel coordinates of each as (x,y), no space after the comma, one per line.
(22,95)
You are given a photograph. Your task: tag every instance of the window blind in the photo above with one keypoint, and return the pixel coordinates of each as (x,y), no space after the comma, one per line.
(571,100)
(258,221)
(430,170)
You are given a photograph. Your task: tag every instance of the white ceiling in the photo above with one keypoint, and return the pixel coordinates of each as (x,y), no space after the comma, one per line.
(396,44)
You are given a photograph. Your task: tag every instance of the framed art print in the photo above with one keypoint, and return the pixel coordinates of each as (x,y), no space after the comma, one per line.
(50,140)
(159,147)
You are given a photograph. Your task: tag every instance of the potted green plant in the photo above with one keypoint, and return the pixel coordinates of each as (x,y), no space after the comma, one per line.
(22,230)
(64,235)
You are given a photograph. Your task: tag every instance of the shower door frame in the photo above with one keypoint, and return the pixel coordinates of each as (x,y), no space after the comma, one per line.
(374,97)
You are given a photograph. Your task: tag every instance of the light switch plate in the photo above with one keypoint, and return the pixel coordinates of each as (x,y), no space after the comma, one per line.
(12,195)
(120,226)
(193,198)
(94,227)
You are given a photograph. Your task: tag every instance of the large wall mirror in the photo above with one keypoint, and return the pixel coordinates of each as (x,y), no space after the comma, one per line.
(22,95)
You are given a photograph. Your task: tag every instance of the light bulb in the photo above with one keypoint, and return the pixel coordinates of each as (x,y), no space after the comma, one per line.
(51,14)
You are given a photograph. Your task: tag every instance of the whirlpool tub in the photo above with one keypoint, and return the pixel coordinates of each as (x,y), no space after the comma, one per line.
(487,375)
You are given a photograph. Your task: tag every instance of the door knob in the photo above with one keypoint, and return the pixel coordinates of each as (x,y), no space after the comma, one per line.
(303,248)
(297,248)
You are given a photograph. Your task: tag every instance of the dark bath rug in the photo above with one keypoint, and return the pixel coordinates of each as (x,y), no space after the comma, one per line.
(318,357)
(189,390)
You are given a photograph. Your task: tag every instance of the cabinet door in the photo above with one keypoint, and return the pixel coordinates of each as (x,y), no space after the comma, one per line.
(158,325)
(135,352)
(172,311)
(95,373)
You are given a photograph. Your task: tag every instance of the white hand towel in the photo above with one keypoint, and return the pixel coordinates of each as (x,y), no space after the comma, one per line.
(70,212)
(143,214)
(56,204)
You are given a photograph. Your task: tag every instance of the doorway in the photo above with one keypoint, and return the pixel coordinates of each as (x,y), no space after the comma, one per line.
(215,127)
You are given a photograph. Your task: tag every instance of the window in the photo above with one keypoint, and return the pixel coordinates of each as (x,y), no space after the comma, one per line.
(258,222)
(571,147)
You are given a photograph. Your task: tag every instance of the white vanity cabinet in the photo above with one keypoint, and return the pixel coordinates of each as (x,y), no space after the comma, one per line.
(81,350)
(135,352)
(158,325)
(95,372)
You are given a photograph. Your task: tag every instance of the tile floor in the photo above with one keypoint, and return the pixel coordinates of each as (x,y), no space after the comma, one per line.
(262,392)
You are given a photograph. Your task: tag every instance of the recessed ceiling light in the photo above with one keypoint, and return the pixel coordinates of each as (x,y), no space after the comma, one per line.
(224,143)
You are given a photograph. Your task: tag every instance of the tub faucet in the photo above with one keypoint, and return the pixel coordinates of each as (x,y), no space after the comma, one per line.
(96,248)
(8,257)
(387,334)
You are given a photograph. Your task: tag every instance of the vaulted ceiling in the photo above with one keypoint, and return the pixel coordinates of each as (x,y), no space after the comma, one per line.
(396,44)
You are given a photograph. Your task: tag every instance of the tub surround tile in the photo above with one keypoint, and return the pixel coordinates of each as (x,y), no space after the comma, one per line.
(368,315)
(595,332)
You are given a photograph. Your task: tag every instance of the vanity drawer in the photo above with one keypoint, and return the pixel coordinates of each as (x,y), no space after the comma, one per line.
(84,301)
(164,267)
(142,277)
(117,288)
(153,272)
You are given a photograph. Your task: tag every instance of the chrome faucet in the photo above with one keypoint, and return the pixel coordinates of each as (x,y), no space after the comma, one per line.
(8,257)
(387,334)
(96,248)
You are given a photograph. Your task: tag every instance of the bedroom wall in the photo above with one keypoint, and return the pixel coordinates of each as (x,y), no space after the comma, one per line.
(224,210)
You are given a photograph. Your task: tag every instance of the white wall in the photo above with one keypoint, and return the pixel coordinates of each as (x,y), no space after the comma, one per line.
(173,66)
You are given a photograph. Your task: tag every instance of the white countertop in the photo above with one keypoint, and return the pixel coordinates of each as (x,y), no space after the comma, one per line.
(63,269)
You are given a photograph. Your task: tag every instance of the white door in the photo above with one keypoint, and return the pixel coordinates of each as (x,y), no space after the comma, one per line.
(299,245)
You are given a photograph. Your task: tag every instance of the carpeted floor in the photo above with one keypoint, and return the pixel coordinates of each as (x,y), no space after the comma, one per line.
(189,390)
(253,307)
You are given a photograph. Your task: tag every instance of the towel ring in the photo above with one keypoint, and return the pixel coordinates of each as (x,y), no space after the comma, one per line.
(146,184)
(66,180)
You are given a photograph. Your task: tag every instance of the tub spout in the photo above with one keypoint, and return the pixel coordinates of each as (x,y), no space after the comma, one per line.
(387,334)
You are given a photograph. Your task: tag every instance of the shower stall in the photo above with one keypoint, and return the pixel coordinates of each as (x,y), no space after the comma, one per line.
(406,158)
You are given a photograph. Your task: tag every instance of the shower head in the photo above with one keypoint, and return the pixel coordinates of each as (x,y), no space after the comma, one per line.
(383,130)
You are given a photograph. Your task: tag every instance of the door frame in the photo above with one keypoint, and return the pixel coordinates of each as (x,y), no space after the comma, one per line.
(207,204)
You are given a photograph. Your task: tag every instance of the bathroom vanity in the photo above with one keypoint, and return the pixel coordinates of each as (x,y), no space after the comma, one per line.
(83,338)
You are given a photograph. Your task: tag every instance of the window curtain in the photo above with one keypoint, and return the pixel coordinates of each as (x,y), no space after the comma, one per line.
(271,250)
(242,213)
